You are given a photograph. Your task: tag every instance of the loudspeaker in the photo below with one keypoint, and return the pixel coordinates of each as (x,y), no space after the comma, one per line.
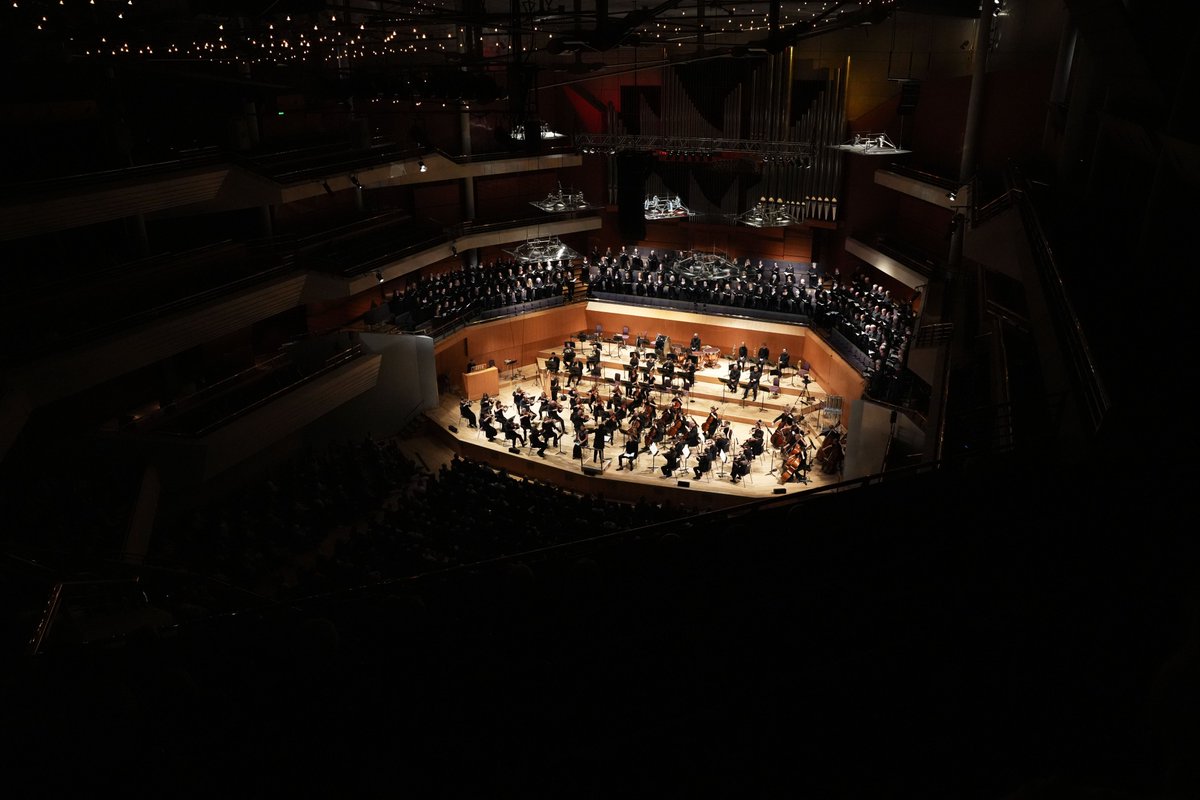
(593,471)
(779,490)
(684,484)
(516,450)
(453,429)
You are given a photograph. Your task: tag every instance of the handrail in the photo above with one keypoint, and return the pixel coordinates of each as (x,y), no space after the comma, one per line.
(923,176)
(333,362)
(1078,354)
(23,189)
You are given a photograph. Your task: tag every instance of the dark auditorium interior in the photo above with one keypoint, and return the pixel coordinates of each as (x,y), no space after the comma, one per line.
(231,236)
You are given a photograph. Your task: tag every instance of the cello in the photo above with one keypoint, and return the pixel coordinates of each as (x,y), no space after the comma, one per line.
(793,464)
(710,424)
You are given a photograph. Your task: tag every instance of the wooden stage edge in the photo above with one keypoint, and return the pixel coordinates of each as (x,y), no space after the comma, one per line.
(642,484)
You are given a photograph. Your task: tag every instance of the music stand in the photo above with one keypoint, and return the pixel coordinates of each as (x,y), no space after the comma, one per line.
(511,364)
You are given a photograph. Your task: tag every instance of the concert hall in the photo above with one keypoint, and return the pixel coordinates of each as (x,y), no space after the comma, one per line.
(584,398)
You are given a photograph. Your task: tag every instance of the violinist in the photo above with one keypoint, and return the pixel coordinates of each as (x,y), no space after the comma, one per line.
(487,422)
(550,433)
(632,366)
(464,410)
(511,432)
(554,415)
(537,441)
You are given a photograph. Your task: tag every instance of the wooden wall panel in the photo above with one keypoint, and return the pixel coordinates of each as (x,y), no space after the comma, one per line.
(521,337)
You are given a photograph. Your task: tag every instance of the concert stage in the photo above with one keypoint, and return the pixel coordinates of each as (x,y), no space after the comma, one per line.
(646,481)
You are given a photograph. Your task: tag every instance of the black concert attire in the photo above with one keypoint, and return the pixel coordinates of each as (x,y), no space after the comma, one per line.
(695,342)
(742,352)
(752,382)
(660,344)
(672,456)
(693,436)
(689,375)
(537,442)
(741,468)
(784,363)
(598,445)
(576,373)
(464,409)
(764,354)
(630,454)
(735,375)
(704,461)
(580,440)
(552,363)
(549,431)
(489,430)
(511,432)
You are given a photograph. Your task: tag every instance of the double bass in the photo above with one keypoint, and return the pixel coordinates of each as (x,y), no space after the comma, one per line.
(831,452)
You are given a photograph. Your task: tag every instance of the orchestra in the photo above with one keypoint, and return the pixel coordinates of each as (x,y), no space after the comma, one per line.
(644,406)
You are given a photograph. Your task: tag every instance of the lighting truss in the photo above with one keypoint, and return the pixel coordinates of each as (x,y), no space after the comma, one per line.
(657,208)
(548,248)
(560,201)
(768,214)
(612,143)
(870,144)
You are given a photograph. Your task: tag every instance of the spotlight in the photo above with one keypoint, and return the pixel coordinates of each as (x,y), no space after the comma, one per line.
(379,276)
(423,168)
